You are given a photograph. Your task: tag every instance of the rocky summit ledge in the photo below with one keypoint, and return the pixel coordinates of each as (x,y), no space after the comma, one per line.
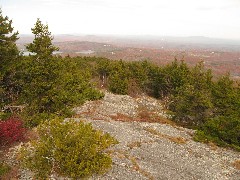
(150,146)
(160,151)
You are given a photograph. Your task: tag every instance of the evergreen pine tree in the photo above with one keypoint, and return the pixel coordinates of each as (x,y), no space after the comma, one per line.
(8,57)
(42,43)
(52,85)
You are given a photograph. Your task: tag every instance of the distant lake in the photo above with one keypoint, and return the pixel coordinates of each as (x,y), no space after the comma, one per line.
(57,52)
(27,53)
(85,52)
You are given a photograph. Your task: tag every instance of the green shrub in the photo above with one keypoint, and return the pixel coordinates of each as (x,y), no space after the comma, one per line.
(226,96)
(118,84)
(67,148)
(34,119)
(4,169)
(224,131)
(191,106)
(5,115)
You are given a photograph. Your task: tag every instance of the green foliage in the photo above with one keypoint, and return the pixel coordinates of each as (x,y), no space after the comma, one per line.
(124,77)
(140,71)
(103,67)
(118,84)
(32,119)
(55,87)
(226,97)
(68,148)
(174,76)
(224,127)
(191,106)
(42,43)
(144,76)
(225,131)
(192,100)
(51,85)
(4,115)
(8,57)
(4,169)
(119,75)
(8,48)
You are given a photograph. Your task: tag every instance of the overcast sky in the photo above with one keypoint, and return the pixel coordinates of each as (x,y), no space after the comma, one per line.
(211,18)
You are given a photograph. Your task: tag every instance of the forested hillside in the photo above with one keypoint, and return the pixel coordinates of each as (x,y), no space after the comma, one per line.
(42,89)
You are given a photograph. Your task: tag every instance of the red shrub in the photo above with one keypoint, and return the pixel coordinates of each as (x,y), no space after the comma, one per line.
(11,130)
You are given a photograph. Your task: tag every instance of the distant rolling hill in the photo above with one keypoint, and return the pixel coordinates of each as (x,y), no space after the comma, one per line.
(219,54)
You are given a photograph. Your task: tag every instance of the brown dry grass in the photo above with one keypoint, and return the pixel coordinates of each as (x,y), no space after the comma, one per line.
(236,164)
(143,116)
(134,144)
(212,145)
(124,154)
(31,134)
(89,111)
(122,117)
(134,163)
(150,116)
(136,167)
(12,174)
(166,121)
(178,140)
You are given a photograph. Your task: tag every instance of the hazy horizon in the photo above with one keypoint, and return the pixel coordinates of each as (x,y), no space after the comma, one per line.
(186,18)
(182,39)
